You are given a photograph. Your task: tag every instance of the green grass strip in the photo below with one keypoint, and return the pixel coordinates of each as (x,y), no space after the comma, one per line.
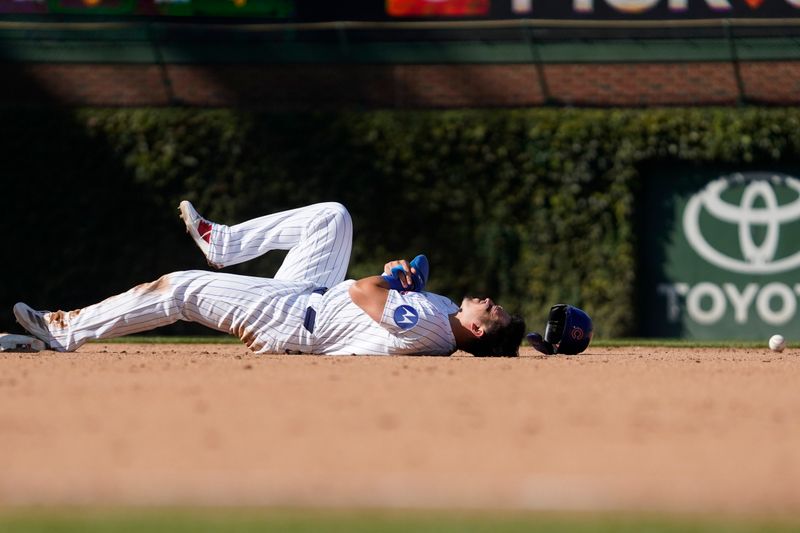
(298,521)
(679,343)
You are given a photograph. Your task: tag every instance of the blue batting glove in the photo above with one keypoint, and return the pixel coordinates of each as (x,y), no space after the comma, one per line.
(418,278)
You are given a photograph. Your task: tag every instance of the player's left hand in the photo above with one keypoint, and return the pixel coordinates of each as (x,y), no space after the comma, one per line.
(404,275)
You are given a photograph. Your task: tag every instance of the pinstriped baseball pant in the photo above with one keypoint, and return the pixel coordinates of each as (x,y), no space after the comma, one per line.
(266,313)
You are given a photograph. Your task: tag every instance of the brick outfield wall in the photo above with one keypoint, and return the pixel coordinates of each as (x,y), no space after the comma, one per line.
(283,87)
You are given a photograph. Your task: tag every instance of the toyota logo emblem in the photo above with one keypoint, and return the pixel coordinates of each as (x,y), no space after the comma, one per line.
(758,207)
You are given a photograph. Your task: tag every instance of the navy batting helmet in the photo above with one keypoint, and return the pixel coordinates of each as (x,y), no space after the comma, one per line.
(568,331)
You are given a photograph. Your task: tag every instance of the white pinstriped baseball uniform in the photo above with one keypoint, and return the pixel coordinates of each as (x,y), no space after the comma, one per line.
(287,313)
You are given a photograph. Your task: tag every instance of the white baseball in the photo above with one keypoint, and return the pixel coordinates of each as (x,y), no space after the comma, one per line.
(777,343)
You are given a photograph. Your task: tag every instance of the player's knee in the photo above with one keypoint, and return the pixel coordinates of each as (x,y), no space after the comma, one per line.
(162,285)
(178,285)
(338,211)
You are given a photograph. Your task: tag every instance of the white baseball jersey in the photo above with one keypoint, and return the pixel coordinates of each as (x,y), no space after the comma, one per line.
(292,312)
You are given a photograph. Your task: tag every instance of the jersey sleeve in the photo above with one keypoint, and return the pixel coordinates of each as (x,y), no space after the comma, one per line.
(409,314)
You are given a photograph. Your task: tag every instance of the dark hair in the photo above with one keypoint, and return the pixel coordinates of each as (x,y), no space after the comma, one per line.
(499,341)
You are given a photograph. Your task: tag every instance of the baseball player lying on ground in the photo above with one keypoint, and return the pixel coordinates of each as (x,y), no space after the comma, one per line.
(308,307)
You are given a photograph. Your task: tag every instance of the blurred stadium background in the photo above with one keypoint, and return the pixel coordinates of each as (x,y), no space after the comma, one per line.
(555,143)
(307,54)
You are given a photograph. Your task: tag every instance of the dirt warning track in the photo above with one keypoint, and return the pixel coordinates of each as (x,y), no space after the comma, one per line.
(713,430)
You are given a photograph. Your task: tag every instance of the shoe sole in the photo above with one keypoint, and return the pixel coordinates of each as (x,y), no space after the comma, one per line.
(186,216)
(20,343)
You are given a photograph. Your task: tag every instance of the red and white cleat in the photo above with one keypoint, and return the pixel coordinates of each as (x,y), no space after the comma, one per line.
(198,228)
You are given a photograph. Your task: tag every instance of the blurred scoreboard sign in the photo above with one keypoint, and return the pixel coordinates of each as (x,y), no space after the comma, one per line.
(104,7)
(428,8)
(384,10)
(231,8)
(721,255)
(598,9)
(657,9)
(194,8)
(23,6)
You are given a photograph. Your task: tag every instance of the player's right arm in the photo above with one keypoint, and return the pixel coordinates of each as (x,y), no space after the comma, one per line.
(371,293)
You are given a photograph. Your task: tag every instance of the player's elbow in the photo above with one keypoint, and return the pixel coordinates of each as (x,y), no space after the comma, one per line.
(356,292)
(362,292)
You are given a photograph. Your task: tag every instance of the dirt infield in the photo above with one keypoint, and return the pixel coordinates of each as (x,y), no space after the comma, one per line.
(713,430)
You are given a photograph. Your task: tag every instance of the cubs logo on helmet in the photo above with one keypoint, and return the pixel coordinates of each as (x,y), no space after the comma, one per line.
(568,331)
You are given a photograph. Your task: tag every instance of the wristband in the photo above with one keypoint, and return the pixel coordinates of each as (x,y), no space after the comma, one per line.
(394,282)
(418,278)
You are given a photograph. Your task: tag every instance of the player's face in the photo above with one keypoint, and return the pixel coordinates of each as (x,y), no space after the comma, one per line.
(483,311)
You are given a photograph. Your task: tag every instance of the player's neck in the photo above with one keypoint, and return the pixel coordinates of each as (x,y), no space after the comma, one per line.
(462,335)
